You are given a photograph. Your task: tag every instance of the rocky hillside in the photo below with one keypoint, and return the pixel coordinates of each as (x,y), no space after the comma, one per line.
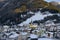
(15,11)
(57,4)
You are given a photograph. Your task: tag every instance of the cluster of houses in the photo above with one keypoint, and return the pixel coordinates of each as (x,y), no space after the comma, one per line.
(14,32)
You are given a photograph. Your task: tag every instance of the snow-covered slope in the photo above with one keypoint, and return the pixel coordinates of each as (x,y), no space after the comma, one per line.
(38,16)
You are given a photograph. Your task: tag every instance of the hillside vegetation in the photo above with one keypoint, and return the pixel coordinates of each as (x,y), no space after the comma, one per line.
(34,5)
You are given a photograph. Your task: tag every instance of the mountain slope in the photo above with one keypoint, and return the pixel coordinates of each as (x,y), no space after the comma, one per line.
(11,10)
(35,4)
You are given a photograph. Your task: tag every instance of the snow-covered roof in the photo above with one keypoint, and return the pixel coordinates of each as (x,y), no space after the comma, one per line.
(33,36)
(24,33)
(7,33)
(49,21)
(5,26)
(35,30)
(14,35)
(50,32)
(49,24)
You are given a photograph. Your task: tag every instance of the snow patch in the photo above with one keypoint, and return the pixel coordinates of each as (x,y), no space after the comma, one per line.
(37,16)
